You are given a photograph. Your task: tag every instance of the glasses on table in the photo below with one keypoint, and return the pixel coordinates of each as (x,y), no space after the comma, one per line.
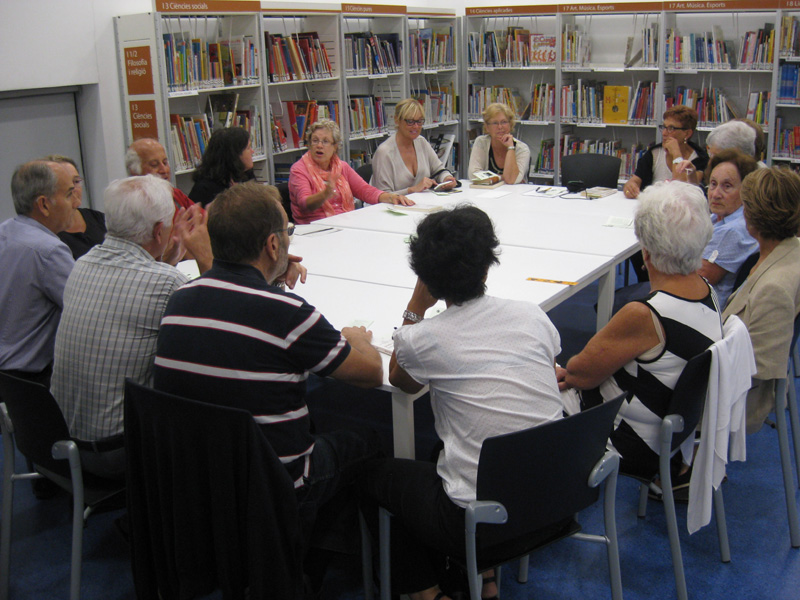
(671,129)
(412,122)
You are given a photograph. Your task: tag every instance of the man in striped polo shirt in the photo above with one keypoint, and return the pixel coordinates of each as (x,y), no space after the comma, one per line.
(236,337)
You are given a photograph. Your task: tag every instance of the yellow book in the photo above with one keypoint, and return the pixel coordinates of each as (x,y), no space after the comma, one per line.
(616,100)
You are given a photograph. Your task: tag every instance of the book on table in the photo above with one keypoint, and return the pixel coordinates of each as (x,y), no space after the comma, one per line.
(486,180)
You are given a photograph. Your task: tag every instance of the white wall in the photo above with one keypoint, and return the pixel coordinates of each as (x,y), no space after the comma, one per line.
(53,43)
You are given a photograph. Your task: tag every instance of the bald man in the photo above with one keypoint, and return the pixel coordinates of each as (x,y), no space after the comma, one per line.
(148,157)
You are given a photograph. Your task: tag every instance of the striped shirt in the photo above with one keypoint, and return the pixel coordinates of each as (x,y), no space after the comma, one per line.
(231,338)
(113,302)
(690,327)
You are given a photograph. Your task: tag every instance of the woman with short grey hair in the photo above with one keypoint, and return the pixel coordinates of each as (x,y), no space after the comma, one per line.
(644,347)
(731,135)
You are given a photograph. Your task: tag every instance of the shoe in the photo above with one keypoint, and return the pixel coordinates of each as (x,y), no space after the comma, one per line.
(680,488)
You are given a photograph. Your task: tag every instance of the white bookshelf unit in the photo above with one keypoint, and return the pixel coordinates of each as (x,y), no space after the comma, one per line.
(173,61)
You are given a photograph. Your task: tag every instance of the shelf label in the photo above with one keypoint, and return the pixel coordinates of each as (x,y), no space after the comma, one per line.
(377,9)
(208,6)
(726,5)
(511,10)
(632,7)
(138,70)
(143,119)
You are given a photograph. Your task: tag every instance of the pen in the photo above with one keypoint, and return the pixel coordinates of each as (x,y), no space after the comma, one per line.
(552,281)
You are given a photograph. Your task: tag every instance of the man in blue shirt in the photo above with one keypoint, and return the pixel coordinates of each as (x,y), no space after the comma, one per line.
(35,265)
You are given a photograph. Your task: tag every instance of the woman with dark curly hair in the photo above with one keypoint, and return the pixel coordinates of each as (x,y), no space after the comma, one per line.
(489,365)
(769,300)
(228,159)
(667,160)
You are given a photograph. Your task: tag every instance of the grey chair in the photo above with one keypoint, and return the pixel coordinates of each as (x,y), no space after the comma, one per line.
(683,415)
(592,169)
(744,270)
(534,504)
(286,201)
(365,171)
(31,420)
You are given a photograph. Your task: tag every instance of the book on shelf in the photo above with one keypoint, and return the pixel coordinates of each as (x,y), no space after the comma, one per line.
(223,107)
(616,103)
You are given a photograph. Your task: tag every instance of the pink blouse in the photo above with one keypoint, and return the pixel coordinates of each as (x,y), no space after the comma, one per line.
(300,188)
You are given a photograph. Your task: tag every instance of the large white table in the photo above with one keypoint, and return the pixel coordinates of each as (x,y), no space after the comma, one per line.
(359,272)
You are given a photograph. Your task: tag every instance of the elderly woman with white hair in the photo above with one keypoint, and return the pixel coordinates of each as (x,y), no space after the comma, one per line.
(644,347)
(733,135)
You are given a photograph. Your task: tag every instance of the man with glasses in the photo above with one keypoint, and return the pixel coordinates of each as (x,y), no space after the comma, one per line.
(234,336)
(669,159)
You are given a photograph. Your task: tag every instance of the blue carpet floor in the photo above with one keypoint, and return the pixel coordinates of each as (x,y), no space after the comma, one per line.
(763,563)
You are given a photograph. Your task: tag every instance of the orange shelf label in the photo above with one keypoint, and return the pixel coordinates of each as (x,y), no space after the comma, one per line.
(143,119)
(378,9)
(207,6)
(138,70)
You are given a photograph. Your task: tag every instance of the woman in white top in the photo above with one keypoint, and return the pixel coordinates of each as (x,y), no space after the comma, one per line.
(406,163)
(499,151)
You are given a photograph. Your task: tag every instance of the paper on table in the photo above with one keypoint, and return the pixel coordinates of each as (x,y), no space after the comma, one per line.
(425,208)
(546,191)
(189,268)
(623,222)
(489,194)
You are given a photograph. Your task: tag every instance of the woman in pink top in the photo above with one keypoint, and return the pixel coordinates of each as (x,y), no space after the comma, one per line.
(322,185)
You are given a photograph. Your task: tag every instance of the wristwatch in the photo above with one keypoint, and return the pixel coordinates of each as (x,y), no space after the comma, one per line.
(412,316)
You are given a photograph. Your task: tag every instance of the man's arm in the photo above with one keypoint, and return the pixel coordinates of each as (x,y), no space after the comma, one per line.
(363,366)
(712,272)
(421,300)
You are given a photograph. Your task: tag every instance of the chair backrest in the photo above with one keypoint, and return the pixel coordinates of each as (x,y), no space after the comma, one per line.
(744,270)
(286,201)
(210,504)
(365,171)
(38,421)
(541,474)
(592,169)
(689,395)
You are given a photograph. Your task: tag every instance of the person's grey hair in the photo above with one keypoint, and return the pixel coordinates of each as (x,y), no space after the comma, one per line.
(133,162)
(674,226)
(327,124)
(733,135)
(29,181)
(134,205)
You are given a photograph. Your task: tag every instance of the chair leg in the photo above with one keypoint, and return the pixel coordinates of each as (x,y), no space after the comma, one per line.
(384,524)
(672,525)
(366,558)
(795,359)
(77,518)
(786,463)
(522,574)
(8,508)
(791,400)
(722,527)
(610,527)
(643,490)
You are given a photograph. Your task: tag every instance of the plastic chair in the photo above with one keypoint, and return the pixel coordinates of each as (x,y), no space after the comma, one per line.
(744,270)
(683,416)
(592,169)
(534,504)
(210,504)
(286,201)
(32,421)
(365,171)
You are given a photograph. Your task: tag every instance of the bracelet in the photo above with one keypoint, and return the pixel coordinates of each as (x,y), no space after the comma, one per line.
(412,316)
(510,148)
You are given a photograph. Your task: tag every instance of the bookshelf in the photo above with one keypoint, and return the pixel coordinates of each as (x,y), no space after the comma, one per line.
(304,76)
(185,73)
(639,57)
(785,147)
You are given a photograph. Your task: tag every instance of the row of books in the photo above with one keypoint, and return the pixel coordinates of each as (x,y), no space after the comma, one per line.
(289,120)
(582,102)
(758,48)
(570,144)
(787,140)
(296,57)
(479,97)
(367,53)
(707,50)
(439,103)
(790,37)
(649,57)
(576,46)
(194,64)
(788,86)
(542,106)
(712,105)
(431,50)
(367,116)
(758,107)
(513,47)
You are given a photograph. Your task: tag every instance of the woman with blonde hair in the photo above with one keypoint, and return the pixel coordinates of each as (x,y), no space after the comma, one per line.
(322,185)
(498,150)
(406,163)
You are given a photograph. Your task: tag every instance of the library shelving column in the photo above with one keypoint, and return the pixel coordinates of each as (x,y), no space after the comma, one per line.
(375,80)
(719,59)
(303,81)
(786,146)
(432,69)
(188,73)
(610,80)
(511,57)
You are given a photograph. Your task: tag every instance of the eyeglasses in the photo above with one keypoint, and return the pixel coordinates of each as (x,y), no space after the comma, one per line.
(497,123)
(671,129)
(289,230)
(323,143)
(412,122)
(77,180)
